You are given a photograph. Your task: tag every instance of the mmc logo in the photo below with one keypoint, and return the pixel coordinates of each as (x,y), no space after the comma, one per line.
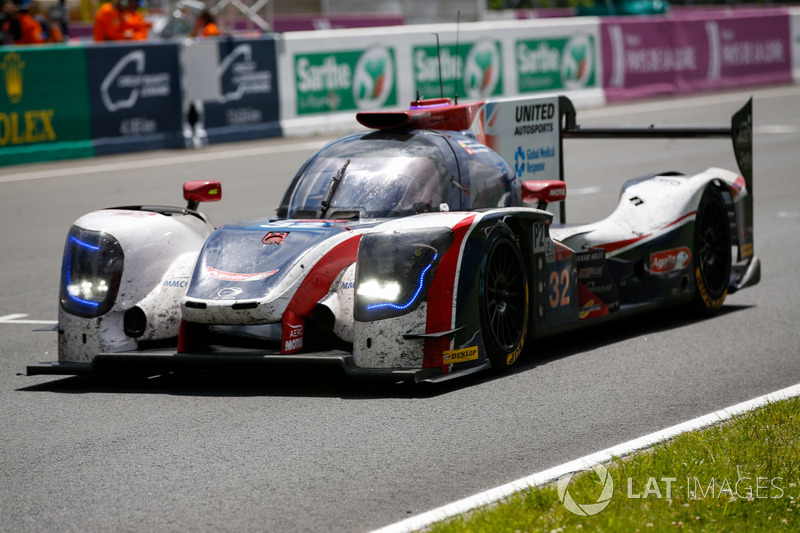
(13,66)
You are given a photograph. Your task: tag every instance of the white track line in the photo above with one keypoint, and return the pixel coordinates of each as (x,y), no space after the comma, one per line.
(16,319)
(584,463)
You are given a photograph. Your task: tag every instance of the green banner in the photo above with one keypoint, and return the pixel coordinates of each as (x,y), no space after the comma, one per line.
(555,64)
(44,104)
(345,80)
(472,70)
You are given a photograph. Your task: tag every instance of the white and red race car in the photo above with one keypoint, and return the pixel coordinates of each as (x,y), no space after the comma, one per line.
(411,251)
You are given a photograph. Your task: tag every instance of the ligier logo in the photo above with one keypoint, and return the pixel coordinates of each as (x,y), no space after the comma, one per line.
(587,509)
(12,67)
(374,78)
(554,64)
(483,69)
(341,81)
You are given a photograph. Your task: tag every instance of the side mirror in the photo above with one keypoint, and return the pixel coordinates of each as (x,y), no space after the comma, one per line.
(197,191)
(543,192)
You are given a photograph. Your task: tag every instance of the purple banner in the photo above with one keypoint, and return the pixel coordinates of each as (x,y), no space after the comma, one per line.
(694,52)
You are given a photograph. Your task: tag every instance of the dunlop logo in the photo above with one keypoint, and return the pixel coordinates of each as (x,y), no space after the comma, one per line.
(459,356)
(13,66)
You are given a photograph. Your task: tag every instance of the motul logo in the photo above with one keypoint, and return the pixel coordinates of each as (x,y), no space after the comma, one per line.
(294,342)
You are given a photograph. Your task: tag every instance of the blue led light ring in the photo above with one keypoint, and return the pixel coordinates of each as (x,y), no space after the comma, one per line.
(73,242)
(69,271)
(420,284)
(84,244)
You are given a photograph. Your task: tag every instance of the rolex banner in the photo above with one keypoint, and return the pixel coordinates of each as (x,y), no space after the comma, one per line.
(44,104)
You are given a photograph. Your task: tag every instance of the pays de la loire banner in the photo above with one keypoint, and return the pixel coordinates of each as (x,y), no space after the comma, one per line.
(687,53)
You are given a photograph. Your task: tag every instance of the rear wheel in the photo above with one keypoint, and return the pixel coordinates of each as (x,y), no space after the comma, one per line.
(712,252)
(503,298)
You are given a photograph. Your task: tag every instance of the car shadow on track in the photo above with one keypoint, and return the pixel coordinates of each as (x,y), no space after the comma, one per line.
(593,336)
(332,382)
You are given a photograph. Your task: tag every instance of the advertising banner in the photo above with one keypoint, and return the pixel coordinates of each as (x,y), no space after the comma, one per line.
(248,103)
(556,64)
(645,57)
(468,69)
(525,131)
(340,80)
(795,38)
(44,104)
(135,97)
(336,73)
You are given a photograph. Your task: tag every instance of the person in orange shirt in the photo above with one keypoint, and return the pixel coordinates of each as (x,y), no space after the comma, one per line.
(30,30)
(206,26)
(109,22)
(133,23)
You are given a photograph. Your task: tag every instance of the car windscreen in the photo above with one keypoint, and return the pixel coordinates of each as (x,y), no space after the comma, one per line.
(373,176)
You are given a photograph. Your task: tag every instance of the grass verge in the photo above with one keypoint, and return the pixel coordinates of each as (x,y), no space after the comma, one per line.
(742,475)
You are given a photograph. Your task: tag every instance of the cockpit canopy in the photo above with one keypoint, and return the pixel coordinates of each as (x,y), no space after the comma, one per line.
(396,174)
(370,176)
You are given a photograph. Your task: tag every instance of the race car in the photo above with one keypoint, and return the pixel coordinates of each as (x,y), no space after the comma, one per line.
(411,251)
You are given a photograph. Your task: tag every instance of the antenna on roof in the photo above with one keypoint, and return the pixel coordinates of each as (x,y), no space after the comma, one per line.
(458,59)
(439,58)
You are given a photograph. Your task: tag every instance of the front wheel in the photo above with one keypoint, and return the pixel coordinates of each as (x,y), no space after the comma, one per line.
(712,252)
(503,298)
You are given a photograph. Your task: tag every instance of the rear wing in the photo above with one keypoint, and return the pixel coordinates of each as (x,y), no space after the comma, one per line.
(740,132)
(530,133)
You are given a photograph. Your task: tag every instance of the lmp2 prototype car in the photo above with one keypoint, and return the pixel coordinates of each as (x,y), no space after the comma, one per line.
(411,251)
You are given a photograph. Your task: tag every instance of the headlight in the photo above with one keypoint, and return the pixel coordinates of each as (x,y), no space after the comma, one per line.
(394,270)
(90,272)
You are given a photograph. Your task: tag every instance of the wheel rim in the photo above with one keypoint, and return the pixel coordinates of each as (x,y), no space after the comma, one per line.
(714,250)
(505,296)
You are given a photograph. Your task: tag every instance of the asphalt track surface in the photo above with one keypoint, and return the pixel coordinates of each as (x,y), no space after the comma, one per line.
(315,452)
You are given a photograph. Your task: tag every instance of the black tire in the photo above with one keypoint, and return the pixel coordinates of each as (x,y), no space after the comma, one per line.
(712,252)
(504,305)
